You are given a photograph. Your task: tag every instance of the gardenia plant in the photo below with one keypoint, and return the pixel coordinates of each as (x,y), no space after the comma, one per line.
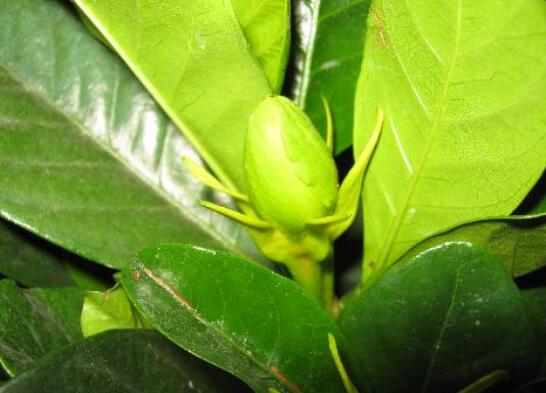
(306,196)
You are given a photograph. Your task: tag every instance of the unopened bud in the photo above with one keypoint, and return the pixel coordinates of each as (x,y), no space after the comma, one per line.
(291,176)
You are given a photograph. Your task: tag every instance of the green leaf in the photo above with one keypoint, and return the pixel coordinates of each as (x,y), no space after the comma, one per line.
(241,317)
(517,242)
(107,310)
(89,161)
(266,26)
(193,58)
(125,361)
(30,260)
(462,86)
(440,322)
(36,322)
(330,42)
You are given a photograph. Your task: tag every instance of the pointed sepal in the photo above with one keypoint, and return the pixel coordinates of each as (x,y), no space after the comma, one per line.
(351,187)
(244,219)
(210,180)
(329,125)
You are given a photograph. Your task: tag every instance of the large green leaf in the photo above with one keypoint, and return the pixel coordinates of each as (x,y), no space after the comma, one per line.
(462,86)
(519,243)
(89,161)
(439,322)
(30,260)
(193,58)
(247,320)
(35,322)
(329,47)
(125,361)
(266,26)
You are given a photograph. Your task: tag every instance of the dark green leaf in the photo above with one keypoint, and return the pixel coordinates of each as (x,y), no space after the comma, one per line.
(125,361)
(440,322)
(245,319)
(36,322)
(330,44)
(519,243)
(462,86)
(89,161)
(30,260)
(194,59)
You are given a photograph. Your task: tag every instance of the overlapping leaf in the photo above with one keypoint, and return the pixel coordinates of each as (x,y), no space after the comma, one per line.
(519,243)
(125,361)
(441,321)
(29,260)
(89,161)
(266,26)
(462,86)
(35,323)
(330,43)
(245,319)
(193,58)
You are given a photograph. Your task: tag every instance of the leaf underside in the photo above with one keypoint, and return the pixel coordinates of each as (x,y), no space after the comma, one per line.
(462,86)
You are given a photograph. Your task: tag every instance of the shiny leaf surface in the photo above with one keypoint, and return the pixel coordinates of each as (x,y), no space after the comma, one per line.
(193,58)
(124,361)
(330,43)
(241,317)
(35,323)
(266,26)
(519,243)
(89,160)
(29,260)
(440,322)
(463,87)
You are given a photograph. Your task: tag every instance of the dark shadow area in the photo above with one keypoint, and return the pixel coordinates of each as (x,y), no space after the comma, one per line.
(535,196)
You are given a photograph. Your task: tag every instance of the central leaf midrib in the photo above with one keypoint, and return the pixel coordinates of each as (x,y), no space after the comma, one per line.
(31,90)
(386,250)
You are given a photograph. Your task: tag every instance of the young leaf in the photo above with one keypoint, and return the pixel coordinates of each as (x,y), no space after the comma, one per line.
(126,361)
(462,86)
(107,310)
(517,242)
(30,260)
(266,26)
(36,322)
(89,161)
(439,322)
(241,317)
(193,58)
(329,36)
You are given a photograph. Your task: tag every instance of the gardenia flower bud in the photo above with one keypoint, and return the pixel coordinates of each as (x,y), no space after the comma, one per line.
(290,174)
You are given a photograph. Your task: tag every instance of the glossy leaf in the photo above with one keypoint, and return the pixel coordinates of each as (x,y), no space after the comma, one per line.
(30,260)
(519,243)
(330,42)
(125,361)
(241,317)
(266,26)
(462,86)
(193,58)
(89,161)
(107,310)
(36,322)
(440,322)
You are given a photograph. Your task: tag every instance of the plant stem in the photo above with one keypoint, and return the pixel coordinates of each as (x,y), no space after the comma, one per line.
(328,283)
(308,274)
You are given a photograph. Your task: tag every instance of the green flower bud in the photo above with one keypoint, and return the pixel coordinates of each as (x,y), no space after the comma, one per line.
(290,174)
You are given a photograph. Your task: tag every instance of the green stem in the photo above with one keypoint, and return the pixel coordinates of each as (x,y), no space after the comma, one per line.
(328,284)
(308,274)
